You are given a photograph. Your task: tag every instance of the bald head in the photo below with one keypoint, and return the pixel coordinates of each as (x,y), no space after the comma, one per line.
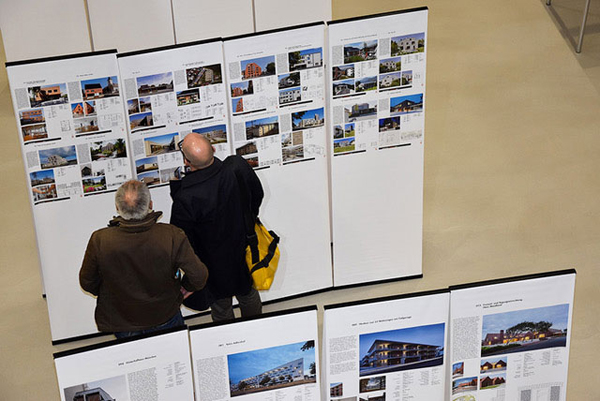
(198,151)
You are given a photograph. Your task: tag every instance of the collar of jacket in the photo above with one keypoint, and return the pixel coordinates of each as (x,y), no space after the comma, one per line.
(198,176)
(135,226)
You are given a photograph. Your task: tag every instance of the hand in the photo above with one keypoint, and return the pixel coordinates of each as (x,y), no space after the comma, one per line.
(185,292)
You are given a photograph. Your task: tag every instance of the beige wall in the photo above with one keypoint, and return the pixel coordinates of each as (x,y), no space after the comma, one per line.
(511,180)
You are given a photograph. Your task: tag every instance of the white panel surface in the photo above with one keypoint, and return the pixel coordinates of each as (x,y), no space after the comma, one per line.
(204,19)
(130,25)
(74,147)
(34,29)
(271,14)
(377,124)
(277,91)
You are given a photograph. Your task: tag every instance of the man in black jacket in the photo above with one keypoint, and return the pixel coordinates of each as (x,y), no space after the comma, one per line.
(207,206)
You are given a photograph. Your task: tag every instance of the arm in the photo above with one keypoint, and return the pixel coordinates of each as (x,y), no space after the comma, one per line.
(195,271)
(255,189)
(89,274)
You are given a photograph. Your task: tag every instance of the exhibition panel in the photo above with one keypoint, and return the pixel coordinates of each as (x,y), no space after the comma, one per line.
(169,93)
(392,348)
(74,145)
(276,86)
(152,368)
(272,357)
(377,94)
(510,339)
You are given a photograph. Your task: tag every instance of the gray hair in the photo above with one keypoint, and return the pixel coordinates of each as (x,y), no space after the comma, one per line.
(133,200)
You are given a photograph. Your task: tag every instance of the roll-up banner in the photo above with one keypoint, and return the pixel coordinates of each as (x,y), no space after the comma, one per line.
(273,357)
(377,119)
(276,87)
(73,137)
(386,349)
(509,339)
(155,367)
(169,93)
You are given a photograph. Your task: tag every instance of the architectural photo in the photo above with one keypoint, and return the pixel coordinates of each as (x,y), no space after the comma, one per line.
(202,76)
(304,59)
(406,104)
(155,84)
(262,127)
(214,133)
(58,157)
(308,119)
(408,44)
(258,67)
(360,51)
(47,95)
(100,87)
(161,144)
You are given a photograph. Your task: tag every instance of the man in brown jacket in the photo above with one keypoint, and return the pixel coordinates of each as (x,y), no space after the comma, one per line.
(134,266)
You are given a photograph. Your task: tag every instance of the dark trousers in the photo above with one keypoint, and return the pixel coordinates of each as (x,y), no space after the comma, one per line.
(175,321)
(250,305)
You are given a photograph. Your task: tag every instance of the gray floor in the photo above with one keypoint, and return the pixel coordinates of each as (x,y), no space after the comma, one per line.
(511,176)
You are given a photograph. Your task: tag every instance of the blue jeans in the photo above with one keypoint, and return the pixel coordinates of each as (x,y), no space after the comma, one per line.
(175,321)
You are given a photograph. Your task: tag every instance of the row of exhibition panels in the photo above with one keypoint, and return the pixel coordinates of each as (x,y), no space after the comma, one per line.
(503,339)
(92,25)
(340,159)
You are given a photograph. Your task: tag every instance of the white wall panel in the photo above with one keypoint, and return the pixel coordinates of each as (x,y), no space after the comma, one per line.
(202,19)
(34,29)
(130,25)
(271,14)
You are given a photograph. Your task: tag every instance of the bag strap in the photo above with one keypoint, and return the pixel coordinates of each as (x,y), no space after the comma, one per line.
(270,253)
(251,238)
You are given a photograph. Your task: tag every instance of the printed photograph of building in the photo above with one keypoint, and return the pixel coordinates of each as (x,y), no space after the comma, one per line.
(58,157)
(291,153)
(338,132)
(158,145)
(493,364)
(336,389)
(272,368)
(85,124)
(146,164)
(189,96)
(525,330)
(344,145)
(141,120)
(304,59)
(44,192)
(237,105)
(289,80)
(77,110)
(406,104)
(258,67)
(360,51)
(371,384)
(112,389)
(94,184)
(100,87)
(492,381)
(33,116)
(155,84)
(365,84)
(389,124)
(345,87)
(35,131)
(202,76)
(214,133)
(242,88)
(349,130)
(389,80)
(373,397)
(390,65)
(343,72)
(289,95)
(458,369)
(42,177)
(47,95)
(360,111)
(86,170)
(402,349)
(308,119)
(286,139)
(262,127)
(407,78)
(464,384)
(149,178)
(90,107)
(133,106)
(110,149)
(247,149)
(408,44)
(145,104)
